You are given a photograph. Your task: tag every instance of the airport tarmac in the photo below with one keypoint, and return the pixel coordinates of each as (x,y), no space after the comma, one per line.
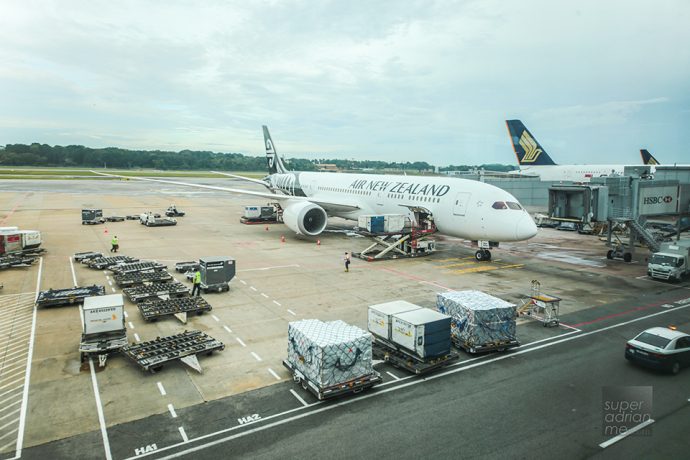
(121,412)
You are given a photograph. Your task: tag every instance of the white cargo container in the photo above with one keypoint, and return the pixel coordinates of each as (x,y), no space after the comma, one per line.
(393,223)
(8,229)
(102,314)
(31,239)
(424,332)
(380,317)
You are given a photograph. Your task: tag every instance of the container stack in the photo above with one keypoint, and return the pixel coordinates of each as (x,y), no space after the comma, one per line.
(329,353)
(480,320)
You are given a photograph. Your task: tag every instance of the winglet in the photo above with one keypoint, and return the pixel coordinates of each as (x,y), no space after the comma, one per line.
(648,158)
(527,150)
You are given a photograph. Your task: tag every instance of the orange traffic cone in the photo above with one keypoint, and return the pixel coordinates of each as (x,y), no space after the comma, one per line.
(105,231)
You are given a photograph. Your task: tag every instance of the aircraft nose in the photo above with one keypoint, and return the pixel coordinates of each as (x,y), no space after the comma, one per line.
(525,228)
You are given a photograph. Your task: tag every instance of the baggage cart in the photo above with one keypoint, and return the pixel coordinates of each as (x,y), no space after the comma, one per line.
(69,296)
(137,267)
(139,293)
(102,263)
(137,278)
(151,310)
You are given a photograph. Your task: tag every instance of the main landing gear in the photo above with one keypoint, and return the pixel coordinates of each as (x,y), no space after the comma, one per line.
(482,254)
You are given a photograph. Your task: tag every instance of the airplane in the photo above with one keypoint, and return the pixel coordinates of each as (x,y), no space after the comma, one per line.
(648,158)
(534,160)
(460,208)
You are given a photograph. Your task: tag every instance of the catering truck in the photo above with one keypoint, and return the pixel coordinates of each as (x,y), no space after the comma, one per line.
(670,262)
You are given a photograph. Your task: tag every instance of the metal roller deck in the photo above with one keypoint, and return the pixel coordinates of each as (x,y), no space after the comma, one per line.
(152,355)
(55,297)
(400,358)
(139,293)
(136,267)
(153,309)
(137,278)
(84,257)
(11,260)
(106,262)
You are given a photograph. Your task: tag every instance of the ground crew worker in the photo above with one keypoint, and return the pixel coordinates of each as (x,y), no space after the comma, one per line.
(196,283)
(347,261)
(115,244)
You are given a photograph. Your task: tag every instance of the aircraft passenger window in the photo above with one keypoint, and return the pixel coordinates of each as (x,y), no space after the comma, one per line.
(499,205)
(512,205)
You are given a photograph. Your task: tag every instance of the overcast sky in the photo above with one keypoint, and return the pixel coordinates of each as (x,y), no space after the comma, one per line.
(383,80)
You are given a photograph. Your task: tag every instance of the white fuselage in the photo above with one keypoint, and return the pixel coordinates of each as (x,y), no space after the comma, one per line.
(574,173)
(460,207)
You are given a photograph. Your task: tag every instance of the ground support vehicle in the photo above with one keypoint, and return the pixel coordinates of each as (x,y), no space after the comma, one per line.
(137,278)
(660,348)
(132,217)
(671,261)
(153,309)
(69,296)
(101,263)
(92,216)
(151,356)
(401,358)
(134,267)
(216,273)
(155,220)
(350,387)
(255,214)
(172,211)
(139,293)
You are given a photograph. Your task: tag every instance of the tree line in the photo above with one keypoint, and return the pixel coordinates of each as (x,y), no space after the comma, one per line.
(79,156)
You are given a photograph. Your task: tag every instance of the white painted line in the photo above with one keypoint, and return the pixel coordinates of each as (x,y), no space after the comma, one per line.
(7,376)
(131,326)
(375,393)
(9,433)
(264,295)
(172,411)
(240,341)
(227,329)
(272,372)
(615,439)
(299,398)
(183,434)
(9,423)
(113,289)
(215,317)
(252,288)
(101,416)
(110,282)
(161,389)
(5,403)
(74,276)
(11,413)
(10,391)
(393,375)
(277,303)
(105,272)
(268,268)
(10,383)
(126,315)
(256,357)
(27,377)
(243,282)
(291,312)
(136,337)
(20,327)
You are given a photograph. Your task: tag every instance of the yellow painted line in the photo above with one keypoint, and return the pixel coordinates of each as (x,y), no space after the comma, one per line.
(457,265)
(487,268)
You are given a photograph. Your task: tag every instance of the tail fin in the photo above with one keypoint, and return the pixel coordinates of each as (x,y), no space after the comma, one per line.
(648,158)
(527,149)
(275,164)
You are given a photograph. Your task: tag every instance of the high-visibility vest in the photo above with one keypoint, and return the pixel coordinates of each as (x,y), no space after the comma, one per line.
(197,278)
(113,241)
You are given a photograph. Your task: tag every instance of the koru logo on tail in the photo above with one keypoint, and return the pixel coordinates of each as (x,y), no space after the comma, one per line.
(270,153)
(530,146)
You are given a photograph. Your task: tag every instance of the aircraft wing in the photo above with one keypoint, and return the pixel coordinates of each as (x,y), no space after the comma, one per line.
(248,179)
(330,205)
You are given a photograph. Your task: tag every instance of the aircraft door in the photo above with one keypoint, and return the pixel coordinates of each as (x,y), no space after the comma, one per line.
(460,205)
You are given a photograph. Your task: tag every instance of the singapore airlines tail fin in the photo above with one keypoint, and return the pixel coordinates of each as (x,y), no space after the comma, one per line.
(527,149)
(275,164)
(648,158)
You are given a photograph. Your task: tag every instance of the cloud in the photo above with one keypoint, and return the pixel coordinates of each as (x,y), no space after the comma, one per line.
(607,113)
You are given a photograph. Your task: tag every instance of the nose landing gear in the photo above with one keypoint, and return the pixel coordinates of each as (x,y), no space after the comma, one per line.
(482,254)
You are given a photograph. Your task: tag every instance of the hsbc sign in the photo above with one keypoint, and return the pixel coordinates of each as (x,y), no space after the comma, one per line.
(658,200)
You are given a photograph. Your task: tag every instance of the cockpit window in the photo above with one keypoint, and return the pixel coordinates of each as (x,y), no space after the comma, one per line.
(512,205)
(499,205)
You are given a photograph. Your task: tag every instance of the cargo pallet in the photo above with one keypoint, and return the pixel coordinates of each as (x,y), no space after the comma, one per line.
(498,345)
(161,222)
(152,355)
(352,386)
(137,278)
(101,345)
(154,309)
(404,360)
(137,267)
(55,297)
(258,220)
(184,267)
(107,262)
(83,257)
(139,293)
(115,219)
(13,261)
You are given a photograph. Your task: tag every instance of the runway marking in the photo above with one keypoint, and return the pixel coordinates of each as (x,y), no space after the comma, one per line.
(299,398)
(215,317)
(161,389)
(272,372)
(183,434)
(243,282)
(252,288)
(172,411)
(131,326)
(101,416)
(277,303)
(264,295)
(227,329)
(291,312)
(136,337)
(375,392)
(393,375)
(268,268)
(615,439)
(240,341)
(256,357)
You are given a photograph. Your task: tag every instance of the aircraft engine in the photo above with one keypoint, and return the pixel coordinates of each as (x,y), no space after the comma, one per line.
(305,218)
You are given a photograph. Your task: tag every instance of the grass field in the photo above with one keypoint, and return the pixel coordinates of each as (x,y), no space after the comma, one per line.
(76,174)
